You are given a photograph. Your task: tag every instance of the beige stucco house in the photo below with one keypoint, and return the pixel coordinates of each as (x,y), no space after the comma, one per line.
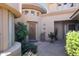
(41,19)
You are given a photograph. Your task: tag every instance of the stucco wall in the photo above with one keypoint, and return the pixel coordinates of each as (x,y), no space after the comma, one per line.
(48,24)
(49,19)
(29,17)
(62,17)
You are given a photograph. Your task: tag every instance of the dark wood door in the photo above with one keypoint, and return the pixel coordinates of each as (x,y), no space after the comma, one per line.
(32,30)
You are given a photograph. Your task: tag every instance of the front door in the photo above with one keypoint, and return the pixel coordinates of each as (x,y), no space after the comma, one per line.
(32,30)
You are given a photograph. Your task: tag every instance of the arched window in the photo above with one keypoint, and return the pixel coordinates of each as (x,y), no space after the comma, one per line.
(32,12)
(26,12)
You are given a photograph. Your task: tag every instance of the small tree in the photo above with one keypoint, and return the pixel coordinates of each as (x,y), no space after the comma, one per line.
(20,31)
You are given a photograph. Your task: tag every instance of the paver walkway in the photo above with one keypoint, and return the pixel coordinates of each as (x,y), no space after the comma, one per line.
(51,49)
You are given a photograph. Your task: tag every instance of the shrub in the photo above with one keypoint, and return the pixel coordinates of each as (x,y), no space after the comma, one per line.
(72,43)
(20,31)
(27,46)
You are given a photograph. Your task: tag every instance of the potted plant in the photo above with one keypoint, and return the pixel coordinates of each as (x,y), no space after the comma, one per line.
(51,36)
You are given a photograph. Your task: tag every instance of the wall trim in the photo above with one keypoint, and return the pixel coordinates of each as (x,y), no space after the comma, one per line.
(11,9)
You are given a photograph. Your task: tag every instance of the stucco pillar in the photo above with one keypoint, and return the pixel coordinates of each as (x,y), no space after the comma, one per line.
(0,30)
(4,30)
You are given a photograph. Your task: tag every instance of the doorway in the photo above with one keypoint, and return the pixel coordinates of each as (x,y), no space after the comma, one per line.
(59,26)
(32,31)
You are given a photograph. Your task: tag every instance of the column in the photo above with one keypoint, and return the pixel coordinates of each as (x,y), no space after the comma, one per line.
(5,30)
(1,30)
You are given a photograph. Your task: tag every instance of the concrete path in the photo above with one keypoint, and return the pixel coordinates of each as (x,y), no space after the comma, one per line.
(51,49)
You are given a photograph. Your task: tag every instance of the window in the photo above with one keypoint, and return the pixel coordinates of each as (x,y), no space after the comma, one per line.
(65,3)
(71,26)
(11,29)
(32,12)
(26,12)
(59,4)
(78,26)
(74,26)
(71,4)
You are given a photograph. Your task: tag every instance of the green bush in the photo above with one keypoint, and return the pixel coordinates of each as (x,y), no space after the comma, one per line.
(27,46)
(72,43)
(20,31)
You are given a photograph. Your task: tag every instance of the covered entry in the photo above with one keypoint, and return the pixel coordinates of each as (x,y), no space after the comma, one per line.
(63,27)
